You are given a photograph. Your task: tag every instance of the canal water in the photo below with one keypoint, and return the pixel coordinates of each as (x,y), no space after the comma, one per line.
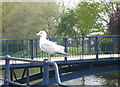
(103,79)
(93,80)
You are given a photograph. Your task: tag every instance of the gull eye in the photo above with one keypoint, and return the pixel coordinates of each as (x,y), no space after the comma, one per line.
(40,32)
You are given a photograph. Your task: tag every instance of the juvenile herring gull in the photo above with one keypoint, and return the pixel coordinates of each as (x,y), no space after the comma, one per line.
(49,46)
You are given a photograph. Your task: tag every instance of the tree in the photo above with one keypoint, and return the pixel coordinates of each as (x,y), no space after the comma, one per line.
(67,22)
(87,17)
(114,25)
(0,20)
(7,8)
(28,18)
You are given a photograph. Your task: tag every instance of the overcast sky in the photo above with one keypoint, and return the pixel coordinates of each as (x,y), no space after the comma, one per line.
(69,3)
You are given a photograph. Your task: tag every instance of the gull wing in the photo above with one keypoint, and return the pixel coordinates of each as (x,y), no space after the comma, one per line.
(52,47)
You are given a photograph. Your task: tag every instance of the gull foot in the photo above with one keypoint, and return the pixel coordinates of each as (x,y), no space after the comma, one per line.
(48,60)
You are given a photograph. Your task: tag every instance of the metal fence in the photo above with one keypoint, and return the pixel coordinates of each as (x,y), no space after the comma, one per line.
(46,65)
(74,46)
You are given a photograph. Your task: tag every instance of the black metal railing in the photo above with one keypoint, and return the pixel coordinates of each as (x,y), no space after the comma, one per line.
(45,63)
(74,46)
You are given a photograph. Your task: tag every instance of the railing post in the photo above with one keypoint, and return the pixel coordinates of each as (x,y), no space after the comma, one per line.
(96,47)
(27,77)
(31,49)
(65,45)
(46,73)
(7,48)
(82,47)
(11,75)
(60,67)
(89,45)
(114,45)
(36,44)
(7,71)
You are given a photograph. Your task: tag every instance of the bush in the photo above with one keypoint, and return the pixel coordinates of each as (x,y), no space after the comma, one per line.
(11,47)
(106,46)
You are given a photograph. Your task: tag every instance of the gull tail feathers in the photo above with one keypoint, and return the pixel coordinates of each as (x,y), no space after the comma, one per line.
(63,53)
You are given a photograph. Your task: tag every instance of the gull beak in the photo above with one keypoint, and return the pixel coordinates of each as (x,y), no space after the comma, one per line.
(37,34)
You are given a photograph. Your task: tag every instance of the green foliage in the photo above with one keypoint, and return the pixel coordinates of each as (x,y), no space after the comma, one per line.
(25,19)
(106,46)
(7,8)
(66,24)
(87,17)
(28,18)
(13,47)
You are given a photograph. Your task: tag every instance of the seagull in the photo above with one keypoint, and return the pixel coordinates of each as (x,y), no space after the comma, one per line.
(49,46)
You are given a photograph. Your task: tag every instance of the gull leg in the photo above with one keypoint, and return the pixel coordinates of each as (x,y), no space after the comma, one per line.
(49,58)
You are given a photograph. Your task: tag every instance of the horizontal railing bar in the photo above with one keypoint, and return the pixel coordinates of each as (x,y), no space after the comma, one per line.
(107,36)
(18,84)
(14,83)
(2,79)
(19,59)
(20,39)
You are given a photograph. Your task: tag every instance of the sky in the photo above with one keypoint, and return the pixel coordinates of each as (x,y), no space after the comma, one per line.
(70,3)
(73,3)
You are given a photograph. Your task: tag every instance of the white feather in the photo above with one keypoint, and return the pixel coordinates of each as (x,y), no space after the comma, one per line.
(49,46)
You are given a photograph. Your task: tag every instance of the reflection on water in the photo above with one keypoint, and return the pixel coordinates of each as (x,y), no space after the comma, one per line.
(92,80)
(88,80)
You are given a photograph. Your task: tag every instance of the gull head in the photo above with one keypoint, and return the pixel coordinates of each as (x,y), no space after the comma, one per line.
(42,33)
